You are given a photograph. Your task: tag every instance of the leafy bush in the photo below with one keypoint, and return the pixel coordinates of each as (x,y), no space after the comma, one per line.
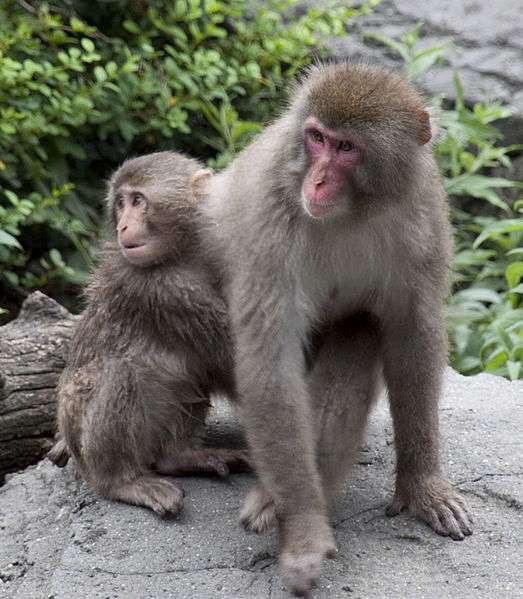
(86,84)
(485,310)
(82,87)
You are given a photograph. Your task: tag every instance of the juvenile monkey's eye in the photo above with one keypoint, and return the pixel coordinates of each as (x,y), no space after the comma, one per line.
(316,136)
(139,200)
(345,146)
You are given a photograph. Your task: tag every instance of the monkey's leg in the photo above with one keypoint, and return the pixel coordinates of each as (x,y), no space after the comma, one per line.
(344,382)
(414,359)
(121,434)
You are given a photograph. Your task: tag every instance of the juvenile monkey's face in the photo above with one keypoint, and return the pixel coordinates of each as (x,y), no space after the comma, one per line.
(137,243)
(332,157)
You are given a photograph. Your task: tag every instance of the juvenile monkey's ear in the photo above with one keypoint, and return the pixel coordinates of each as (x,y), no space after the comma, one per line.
(198,182)
(425,133)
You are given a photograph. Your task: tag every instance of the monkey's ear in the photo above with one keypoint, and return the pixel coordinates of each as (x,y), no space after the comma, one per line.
(198,181)
(425,134)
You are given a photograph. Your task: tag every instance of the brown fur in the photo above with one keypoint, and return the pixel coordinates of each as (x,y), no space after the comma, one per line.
(369,284)
(152,344)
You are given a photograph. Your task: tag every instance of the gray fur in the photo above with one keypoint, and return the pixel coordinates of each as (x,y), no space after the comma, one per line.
(151,346)
(369,283)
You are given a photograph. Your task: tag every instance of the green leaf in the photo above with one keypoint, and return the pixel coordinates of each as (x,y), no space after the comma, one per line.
(515,369)
(56,258)
(88,44)
(514,274)
(480,294)
(499,228)
(7,239)
(393,45)
(11,277)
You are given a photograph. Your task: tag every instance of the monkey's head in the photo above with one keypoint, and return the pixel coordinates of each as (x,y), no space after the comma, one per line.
(151,206)
(361,129)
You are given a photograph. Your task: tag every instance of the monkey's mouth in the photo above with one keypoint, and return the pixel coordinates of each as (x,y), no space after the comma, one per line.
(135,252)
(317,206)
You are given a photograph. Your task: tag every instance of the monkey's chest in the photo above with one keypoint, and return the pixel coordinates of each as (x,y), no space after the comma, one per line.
(355,275)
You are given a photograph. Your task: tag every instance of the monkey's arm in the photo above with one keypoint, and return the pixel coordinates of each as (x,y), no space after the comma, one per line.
(197,314)
(414,360)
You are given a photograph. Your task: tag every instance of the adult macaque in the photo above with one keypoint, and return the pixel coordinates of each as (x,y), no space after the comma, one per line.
(334,222)
(151,346)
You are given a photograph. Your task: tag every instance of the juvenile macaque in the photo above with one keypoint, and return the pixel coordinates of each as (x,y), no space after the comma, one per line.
(152,344)
(333,225)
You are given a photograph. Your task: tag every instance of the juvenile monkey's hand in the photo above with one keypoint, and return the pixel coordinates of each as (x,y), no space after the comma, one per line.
(205,460)
(435,501)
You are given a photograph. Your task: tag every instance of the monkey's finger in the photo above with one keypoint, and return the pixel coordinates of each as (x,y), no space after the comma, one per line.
(217,465)
(462,516)
(463,506)
(430,516)
(449,522)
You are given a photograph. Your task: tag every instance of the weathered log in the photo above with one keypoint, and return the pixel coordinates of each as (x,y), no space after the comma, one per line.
(32,355)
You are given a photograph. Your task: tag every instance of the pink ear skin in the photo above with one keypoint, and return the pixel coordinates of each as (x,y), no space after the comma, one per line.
(198,181)
(425,133)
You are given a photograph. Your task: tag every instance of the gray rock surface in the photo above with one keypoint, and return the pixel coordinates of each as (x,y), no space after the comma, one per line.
(59,541)
(483,38)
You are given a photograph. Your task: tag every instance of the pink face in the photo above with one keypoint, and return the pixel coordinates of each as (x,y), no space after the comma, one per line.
(332,157)
(135,241)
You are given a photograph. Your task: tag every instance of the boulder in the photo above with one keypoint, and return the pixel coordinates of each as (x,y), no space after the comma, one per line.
(60,541)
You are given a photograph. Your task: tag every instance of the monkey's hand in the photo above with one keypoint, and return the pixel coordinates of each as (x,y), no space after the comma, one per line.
(435,501)
(306,541)
(205,460)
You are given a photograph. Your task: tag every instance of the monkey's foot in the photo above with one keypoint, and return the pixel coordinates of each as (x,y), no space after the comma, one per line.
(59,454)
(158,493)
(303,552)
(208,460)
(435,501)
(258,513)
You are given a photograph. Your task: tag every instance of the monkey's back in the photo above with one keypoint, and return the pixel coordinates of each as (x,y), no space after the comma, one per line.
(161,326)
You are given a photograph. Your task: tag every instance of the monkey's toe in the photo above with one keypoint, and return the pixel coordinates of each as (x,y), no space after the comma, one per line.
(258,513)
(437,503)
(160,494)
(395,508)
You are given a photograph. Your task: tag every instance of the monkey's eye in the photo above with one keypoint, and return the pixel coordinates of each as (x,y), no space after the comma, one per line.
(316,136)
(139,200)
(118,202)
(345,146)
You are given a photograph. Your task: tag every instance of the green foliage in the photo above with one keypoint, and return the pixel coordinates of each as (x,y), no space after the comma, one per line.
(84,84)
(485,310)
